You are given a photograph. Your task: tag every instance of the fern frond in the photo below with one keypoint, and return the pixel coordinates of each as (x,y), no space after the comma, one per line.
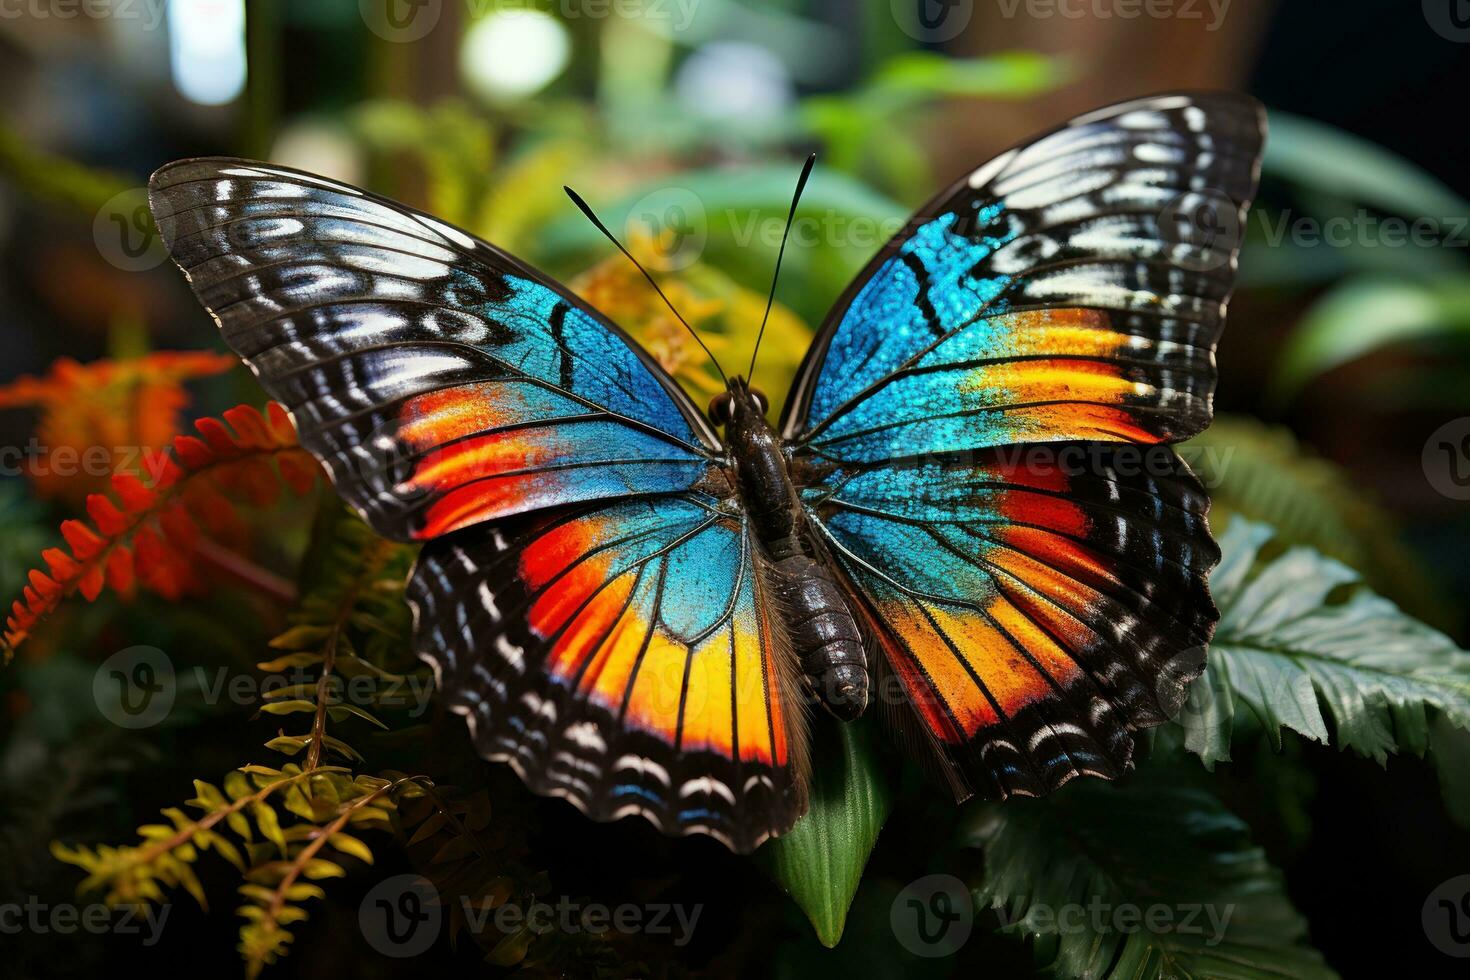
(275,890)
(132,874)
(147,535)
(345,632)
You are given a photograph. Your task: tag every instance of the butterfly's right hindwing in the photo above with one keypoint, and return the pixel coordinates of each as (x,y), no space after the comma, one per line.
(624,656)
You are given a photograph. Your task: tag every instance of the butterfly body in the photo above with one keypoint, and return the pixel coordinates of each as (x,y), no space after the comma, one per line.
(971,499)
(817,623)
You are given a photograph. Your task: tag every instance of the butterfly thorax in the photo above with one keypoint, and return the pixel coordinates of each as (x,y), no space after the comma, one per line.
(822,630)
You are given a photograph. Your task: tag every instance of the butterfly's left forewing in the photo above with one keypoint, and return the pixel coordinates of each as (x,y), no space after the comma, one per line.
(983,423)
(589,595)
(1072,288)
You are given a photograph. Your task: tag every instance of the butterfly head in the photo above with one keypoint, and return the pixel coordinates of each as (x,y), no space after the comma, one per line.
(737,401)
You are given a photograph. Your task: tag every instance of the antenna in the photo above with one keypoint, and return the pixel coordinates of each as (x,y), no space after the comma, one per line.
(806,171)
(577,200)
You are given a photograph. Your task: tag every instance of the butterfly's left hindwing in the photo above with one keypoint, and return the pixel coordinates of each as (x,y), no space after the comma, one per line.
(622,656)
(1028,616)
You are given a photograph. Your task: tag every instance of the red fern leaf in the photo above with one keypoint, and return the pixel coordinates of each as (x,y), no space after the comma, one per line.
(144,536)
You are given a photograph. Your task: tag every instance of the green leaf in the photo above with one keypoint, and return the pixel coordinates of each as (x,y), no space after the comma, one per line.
(319,868)
(820,861)
(288,744)
(348,844)
(339,712)
(1334,162)
(1014,74)
(1368,314)
(1337,182)
(1150,878)
(1301,640)
(304,636)
(269,824)
(289,707)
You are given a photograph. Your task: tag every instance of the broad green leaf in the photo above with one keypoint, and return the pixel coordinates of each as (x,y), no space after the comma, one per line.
(1302,642)
(1365,315)
(1010,74)
(1261,472)
(1148,879)
(1339,185)
(820,861)
(1451,753)
(1334,162)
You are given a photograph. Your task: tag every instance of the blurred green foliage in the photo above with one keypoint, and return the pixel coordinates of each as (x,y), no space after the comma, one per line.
(1306,650)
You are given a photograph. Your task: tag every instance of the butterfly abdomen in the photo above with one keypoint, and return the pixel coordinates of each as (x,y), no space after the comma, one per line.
(823,633)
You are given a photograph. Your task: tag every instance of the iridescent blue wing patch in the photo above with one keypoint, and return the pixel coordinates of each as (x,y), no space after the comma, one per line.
(1072,288)
(442,382)
(982,426)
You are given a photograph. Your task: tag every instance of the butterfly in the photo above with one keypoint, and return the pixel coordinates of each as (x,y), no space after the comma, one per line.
(968,518)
